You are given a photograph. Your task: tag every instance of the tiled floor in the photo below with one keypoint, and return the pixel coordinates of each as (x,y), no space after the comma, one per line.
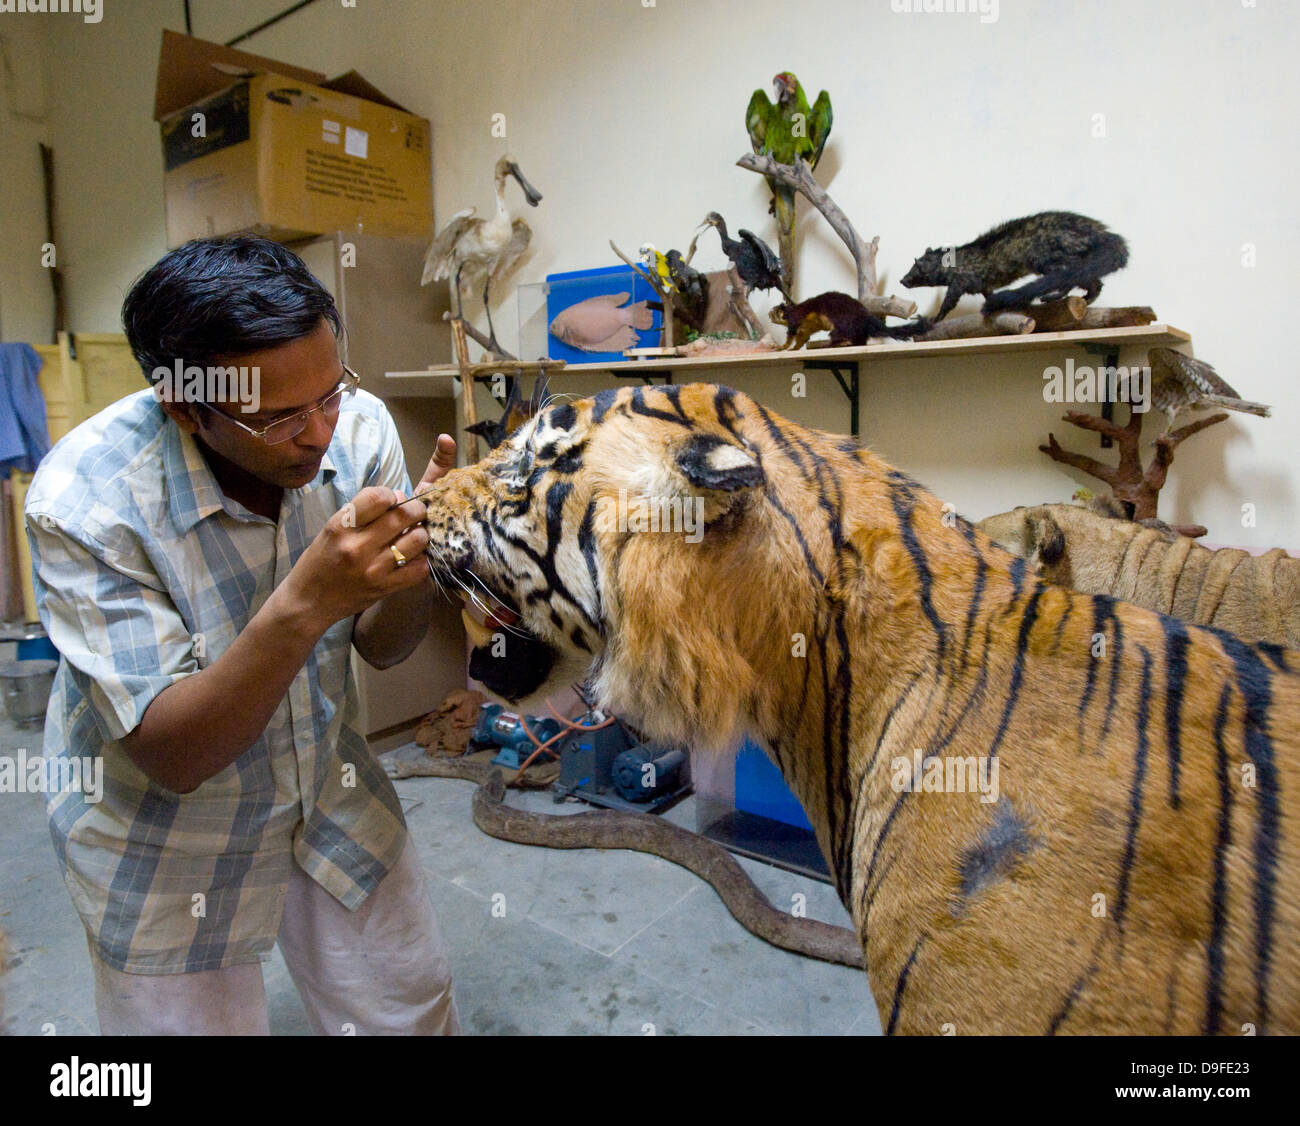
(590,941)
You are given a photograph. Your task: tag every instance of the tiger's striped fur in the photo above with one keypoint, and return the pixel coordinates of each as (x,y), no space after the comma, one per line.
(1257,597)
(1128,878)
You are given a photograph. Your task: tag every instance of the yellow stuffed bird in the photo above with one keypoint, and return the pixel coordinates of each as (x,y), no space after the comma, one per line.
(657,264)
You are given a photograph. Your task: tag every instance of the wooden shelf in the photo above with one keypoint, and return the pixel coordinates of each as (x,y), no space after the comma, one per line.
(437,381)
(844,363)
(1151,336)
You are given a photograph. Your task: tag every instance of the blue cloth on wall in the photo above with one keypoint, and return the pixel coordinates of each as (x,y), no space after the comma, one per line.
(24,436)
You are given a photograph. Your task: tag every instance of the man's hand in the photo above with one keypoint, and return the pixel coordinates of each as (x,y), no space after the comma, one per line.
(350,565)
(389,631)
(442,462)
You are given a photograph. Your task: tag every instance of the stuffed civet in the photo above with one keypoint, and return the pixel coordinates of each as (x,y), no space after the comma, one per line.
(1066,249)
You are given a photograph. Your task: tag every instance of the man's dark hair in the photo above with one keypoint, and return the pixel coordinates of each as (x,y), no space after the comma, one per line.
(222,297)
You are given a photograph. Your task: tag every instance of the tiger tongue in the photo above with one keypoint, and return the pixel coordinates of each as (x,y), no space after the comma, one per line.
(500,616)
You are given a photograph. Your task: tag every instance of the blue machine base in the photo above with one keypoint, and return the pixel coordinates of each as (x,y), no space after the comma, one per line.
(512,759)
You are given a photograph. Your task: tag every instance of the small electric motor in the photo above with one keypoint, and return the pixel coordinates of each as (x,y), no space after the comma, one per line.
(646,772)
(497,727)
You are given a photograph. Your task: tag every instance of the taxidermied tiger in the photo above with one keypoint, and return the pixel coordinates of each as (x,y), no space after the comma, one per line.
(1046,811)
(1257,597)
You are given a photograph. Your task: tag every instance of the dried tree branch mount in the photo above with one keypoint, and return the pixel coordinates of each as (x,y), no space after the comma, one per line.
(1129,480)
(799,176)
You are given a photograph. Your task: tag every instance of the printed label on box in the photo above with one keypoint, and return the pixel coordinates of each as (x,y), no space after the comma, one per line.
(357,142)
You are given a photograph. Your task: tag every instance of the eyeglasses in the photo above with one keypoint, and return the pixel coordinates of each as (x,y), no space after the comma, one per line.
(282,429)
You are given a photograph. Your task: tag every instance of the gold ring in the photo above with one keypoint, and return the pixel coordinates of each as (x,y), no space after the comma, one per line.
(398,557)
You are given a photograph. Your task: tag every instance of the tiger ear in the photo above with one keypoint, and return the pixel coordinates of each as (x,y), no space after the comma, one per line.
(1048,542)
(720,474)
(709,462)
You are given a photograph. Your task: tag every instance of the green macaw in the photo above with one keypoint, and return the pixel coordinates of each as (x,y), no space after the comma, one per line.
(787,129)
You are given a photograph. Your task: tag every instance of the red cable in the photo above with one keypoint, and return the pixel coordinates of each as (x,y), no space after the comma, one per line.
(540,746)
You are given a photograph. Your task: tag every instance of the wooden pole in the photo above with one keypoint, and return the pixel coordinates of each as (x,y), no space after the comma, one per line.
(469,330)
(1074,313)
(740,304)
(469,408)
(56,275)
(1058,316)
(975,324)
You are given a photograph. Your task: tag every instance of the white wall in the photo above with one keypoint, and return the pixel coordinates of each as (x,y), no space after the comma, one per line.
(26,299)
(628,119)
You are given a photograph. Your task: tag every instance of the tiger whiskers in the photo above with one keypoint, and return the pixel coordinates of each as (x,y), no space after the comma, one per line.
(437,581)
(469,591)
(556,397)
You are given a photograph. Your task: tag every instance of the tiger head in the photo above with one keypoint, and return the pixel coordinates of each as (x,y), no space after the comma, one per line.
(1032,533)
(1072,544)
(623,541)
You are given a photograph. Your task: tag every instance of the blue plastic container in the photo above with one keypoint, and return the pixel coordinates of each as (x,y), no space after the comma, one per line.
(761,790)
(568,289)
(37,649)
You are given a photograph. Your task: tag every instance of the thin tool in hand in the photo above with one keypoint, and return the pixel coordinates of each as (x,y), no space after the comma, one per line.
(418,496)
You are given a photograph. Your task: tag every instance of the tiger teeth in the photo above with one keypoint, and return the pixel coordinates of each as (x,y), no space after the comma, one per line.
(478,633)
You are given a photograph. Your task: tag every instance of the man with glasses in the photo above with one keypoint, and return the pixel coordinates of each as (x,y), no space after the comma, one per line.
(204,572)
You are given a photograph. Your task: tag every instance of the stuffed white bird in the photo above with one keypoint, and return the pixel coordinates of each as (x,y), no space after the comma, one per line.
(487,247)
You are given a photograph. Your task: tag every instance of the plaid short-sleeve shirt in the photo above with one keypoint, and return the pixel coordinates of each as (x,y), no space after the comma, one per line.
(145,573)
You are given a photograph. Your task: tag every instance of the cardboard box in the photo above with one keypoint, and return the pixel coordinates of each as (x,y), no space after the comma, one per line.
(252,145)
